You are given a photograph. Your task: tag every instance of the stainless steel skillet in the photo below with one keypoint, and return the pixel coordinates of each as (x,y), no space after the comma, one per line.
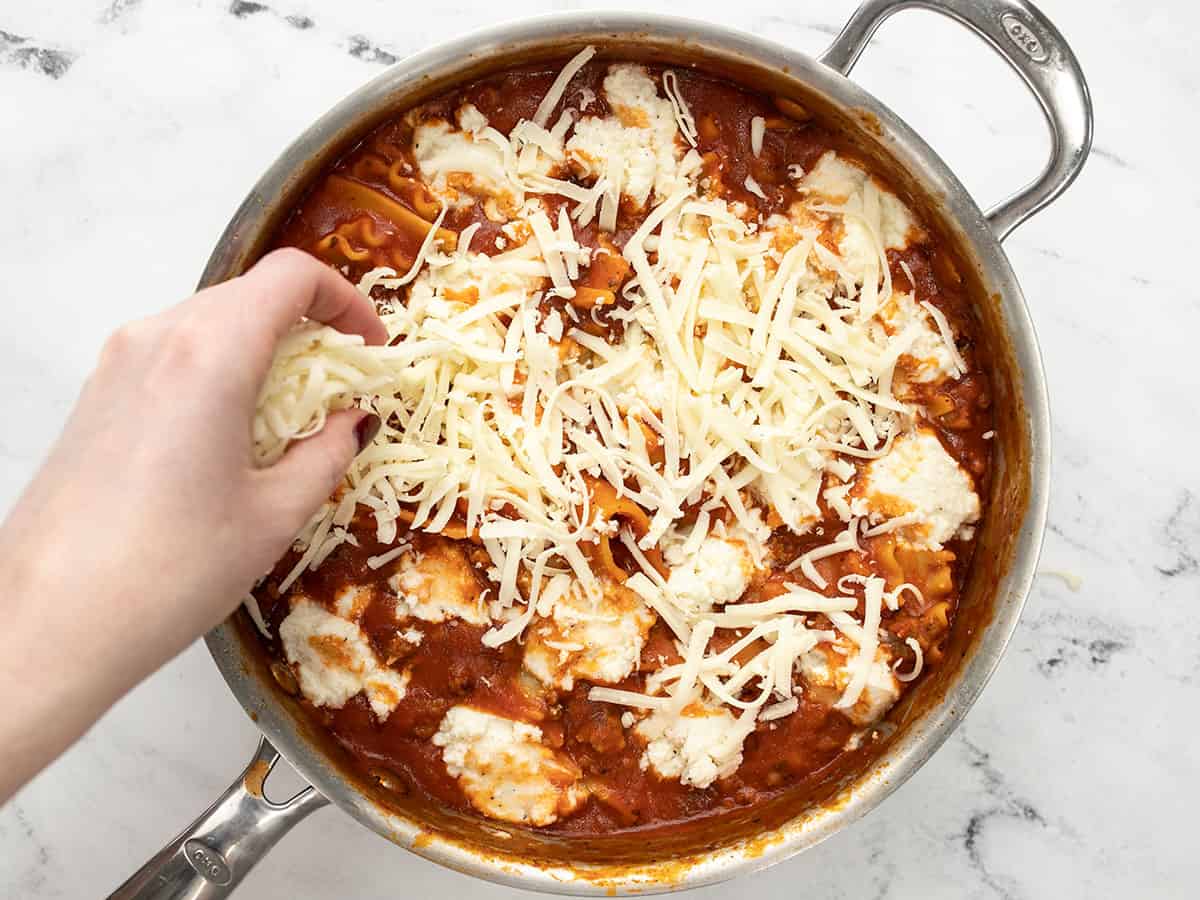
(215,852)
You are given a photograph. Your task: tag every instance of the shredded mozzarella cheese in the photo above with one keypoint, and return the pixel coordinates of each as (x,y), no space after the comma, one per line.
(758,127)
(753,361)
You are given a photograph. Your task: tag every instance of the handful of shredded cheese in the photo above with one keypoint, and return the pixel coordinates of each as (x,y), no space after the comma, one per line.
(316,370)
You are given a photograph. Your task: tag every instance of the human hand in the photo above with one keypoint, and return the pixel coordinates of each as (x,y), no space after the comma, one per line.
(149,520)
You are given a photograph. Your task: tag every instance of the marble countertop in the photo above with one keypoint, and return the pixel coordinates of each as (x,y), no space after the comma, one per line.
(133,128)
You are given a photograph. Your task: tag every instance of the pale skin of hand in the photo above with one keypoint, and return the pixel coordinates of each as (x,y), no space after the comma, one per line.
(149,521)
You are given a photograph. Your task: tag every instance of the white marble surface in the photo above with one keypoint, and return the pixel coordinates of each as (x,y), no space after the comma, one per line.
(132,129)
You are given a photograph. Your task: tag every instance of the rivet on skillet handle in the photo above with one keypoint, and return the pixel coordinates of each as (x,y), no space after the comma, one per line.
(1037,52)
(212,855)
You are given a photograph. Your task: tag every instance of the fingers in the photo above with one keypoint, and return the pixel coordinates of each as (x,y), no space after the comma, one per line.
(244,318)
(289,284)
(308,473)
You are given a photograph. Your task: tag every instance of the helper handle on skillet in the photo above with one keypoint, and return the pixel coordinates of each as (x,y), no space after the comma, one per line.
(1037,52)
(213,854)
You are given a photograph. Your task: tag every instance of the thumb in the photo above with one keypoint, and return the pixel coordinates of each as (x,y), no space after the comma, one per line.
(312,468)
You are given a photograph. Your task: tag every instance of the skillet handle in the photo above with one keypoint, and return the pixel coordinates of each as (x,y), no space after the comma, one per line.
(1035,49)
(213,854)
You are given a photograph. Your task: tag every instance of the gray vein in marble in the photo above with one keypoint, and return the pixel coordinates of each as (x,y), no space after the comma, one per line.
(362,48)
(1005,804)
(117,10)
(1181,535)
(1109,156)
(1067,641)
(1061,532)
(22,52)
(883,871)
(1096,652)
(242,9)
(34,877)
(357,45)
(988,125)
